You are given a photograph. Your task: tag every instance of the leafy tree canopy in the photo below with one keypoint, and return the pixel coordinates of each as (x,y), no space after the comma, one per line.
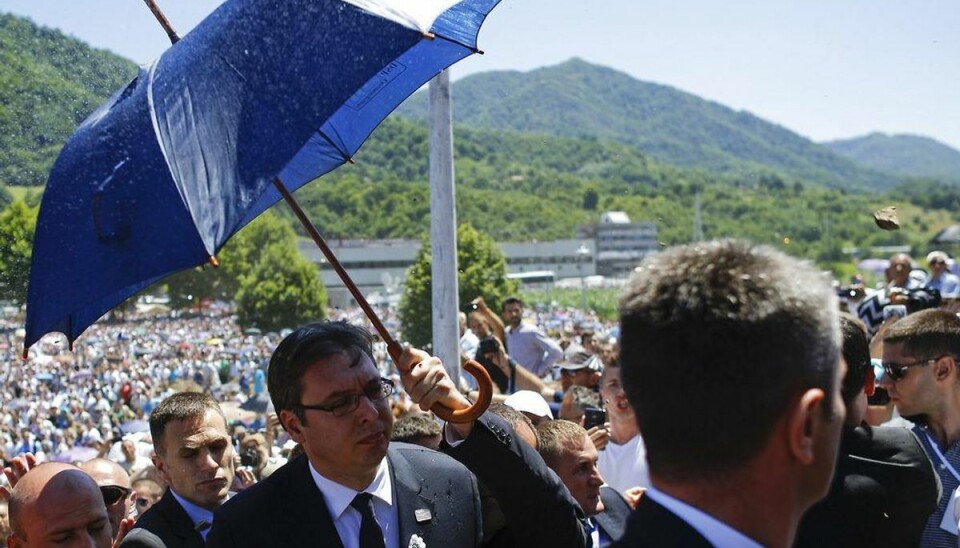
(17,225)
(482,272)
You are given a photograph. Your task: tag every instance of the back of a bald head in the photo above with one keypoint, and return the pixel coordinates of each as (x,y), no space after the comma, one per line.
(45,482)
(106,472)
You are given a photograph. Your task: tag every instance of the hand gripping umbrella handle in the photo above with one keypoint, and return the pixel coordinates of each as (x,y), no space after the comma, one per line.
(484,384)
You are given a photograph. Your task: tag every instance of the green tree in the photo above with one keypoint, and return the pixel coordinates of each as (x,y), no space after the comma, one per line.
(17,225)
(482,272)
(237,259)
(282,290)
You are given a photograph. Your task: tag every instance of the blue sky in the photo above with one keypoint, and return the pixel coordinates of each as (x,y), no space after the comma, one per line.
(826,69)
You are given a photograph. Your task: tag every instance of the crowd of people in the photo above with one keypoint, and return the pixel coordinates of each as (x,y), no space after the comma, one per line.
(734,404)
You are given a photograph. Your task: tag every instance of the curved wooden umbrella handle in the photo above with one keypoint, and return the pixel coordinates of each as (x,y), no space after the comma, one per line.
(472,413)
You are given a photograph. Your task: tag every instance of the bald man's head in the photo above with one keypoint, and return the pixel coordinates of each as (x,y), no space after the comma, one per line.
(114,483)
(55,502)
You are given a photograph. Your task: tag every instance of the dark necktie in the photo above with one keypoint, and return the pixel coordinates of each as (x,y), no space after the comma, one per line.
(371,536)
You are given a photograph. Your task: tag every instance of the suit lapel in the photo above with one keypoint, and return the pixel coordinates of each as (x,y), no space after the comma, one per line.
(415,514)
(180,523)
(308,520)
(613,519)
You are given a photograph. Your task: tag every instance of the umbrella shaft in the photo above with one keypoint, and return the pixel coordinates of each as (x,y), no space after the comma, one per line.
(393,347)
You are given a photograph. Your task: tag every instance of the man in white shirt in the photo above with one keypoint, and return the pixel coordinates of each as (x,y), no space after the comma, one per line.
(730,357)
(623,460)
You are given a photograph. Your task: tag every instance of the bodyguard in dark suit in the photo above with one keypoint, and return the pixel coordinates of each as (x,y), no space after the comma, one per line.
(194,455)
(730,359)
(353,488)
(885,487)
(165,525)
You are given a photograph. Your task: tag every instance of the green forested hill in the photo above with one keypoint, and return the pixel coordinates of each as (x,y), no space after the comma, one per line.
(515,186)
(525,187)
(48,84)
(579,99)
(909,155)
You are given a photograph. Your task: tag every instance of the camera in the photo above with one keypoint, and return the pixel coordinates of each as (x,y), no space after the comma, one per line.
(850,292)
(249,456)
(593,416)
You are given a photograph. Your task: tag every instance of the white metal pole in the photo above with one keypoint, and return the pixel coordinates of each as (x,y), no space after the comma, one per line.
(443,228)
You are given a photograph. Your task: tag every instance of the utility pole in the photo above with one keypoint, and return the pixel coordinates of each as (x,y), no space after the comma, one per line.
(443,228)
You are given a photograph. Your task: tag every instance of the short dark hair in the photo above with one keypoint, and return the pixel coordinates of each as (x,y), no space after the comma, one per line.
(511,300)
(555,436)
(304,347)
(723,318)
(927,333)
(179,407)
(411,428)
(856,352)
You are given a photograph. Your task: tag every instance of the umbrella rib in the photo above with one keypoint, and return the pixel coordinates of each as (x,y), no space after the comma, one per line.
(432,35)
(346,157)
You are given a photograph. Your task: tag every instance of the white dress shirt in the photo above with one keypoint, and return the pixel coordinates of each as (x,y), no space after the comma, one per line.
(347,519)
(715,531)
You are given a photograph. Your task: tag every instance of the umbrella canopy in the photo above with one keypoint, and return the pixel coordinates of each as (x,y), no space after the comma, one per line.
(162,174)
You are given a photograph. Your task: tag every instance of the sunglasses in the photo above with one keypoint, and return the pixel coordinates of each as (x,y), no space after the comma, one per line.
(896,371)
(112,494)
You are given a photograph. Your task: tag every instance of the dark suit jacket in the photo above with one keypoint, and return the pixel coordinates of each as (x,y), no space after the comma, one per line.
(884,490)
(613,520)
(537,507)
(165,524)
(653,526)
(287,509)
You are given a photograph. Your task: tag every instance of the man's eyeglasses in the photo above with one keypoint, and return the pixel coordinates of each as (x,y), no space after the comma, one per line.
(112,494)
(348,404)
(896,371)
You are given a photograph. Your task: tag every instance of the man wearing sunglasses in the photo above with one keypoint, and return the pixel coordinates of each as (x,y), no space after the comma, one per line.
(114,483)
(921,374)
(353,488)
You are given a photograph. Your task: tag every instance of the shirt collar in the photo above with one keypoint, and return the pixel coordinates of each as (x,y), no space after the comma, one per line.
(196,513)
(716,532)
(338,497)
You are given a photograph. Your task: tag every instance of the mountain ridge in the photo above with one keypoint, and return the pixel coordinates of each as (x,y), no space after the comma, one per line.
(902,154)
(579,99)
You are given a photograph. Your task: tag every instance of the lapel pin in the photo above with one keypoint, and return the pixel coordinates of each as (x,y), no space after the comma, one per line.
(422,515)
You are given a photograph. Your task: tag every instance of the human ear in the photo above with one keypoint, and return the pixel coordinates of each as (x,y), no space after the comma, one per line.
(870,382)
(943,367)
(161,467)
(292,424)
(805,417)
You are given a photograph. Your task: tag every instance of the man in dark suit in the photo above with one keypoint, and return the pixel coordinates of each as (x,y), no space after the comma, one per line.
(194,456)
(568,451)
(885,486)
(730,359)
(354,488)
